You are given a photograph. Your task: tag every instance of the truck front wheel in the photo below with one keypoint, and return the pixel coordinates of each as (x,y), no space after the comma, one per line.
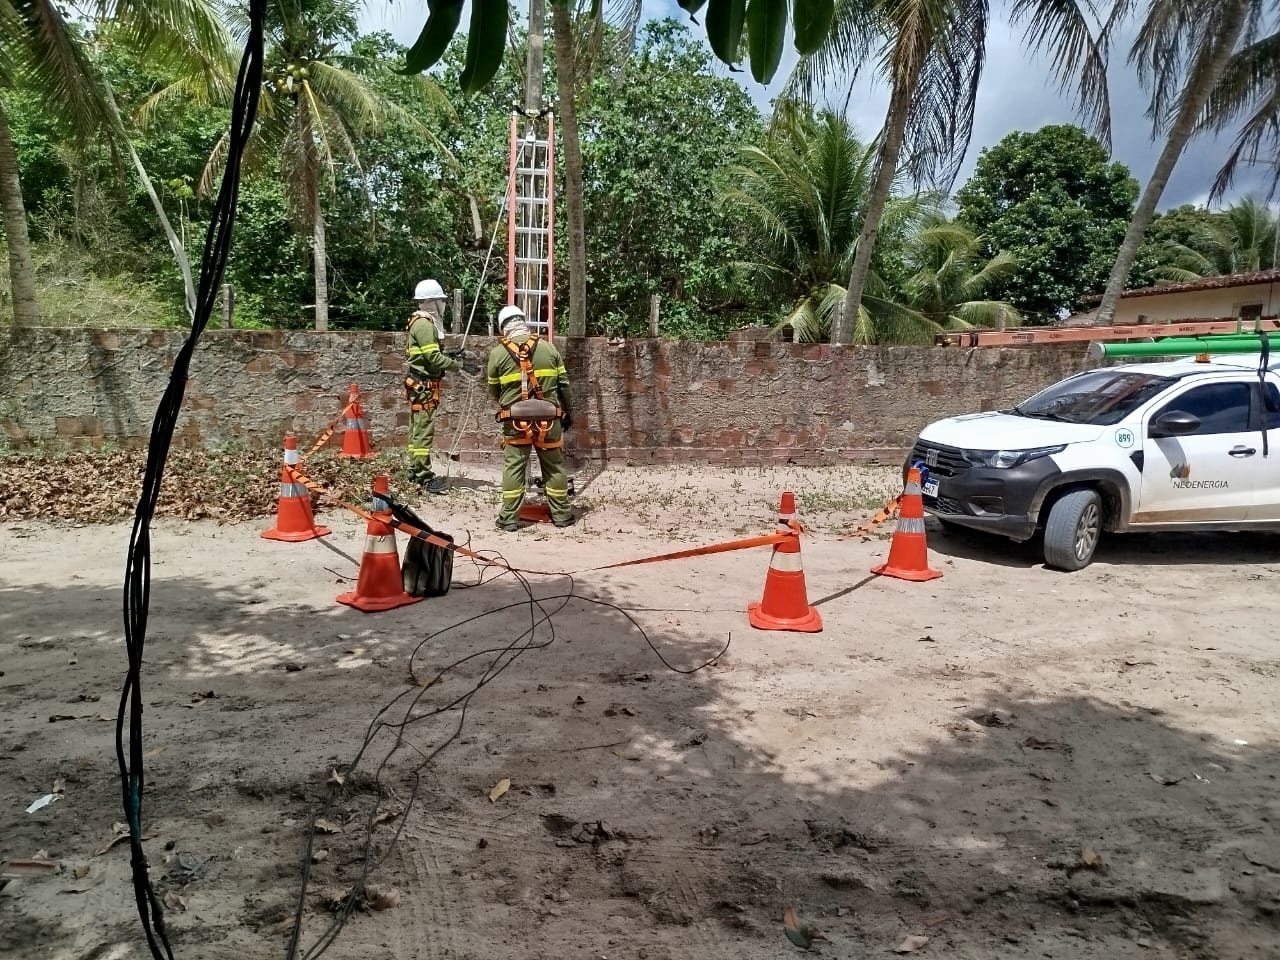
(1071,533)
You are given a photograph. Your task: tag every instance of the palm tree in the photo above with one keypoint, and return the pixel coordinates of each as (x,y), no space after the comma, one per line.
(932,52)
(1248,93)
(1240,239)
(804,193)
(41,51)
(946,277)
(315,106)
(1174,33)
(584,41)
(567,81)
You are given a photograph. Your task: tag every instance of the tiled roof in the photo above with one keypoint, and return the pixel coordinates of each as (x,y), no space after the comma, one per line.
(1205,283)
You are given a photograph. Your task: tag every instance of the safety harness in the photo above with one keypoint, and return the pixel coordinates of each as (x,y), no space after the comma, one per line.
(423,396)
(533,415)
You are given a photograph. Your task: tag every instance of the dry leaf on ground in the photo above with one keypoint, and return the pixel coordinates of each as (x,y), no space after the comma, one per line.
(499,788)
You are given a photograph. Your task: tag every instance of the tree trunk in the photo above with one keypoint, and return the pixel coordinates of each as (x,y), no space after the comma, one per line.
(322,276)
(566,88)
(175,244)
(22,270)
(1206,69)
(895,126)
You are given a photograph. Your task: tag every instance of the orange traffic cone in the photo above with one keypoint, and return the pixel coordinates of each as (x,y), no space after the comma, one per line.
(908,552)
(294,522)
(785,605)
(380,585)
(355,441)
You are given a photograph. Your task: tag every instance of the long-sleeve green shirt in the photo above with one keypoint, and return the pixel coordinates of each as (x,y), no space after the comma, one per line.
(423,349)
(548,367)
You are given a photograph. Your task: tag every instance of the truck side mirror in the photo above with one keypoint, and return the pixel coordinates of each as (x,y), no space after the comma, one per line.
(1175,423)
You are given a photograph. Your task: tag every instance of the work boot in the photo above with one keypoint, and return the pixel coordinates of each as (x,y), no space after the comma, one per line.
(435,485)
(510,526)
(568,521)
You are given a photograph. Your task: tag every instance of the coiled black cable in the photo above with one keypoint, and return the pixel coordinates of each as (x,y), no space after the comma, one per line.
(137,582)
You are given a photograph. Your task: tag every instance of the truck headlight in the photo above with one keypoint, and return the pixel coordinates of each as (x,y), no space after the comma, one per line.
(1005,459)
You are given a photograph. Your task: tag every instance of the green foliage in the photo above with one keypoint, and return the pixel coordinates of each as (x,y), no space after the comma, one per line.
(653,152)
(76,291)
(804,195)
(1055,201)
(1190,242)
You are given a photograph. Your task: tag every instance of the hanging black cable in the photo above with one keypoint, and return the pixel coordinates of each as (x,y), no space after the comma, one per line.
(137,585)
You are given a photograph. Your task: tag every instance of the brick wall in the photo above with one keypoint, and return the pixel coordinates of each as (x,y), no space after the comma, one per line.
(640,401)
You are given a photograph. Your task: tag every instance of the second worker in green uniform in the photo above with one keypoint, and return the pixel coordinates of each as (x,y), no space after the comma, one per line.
(427,366)
(528,380)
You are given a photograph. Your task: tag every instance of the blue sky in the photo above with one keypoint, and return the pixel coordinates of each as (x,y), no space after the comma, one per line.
(1016,94)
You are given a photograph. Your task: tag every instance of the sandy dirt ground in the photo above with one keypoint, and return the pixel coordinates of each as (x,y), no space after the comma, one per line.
(1010,762)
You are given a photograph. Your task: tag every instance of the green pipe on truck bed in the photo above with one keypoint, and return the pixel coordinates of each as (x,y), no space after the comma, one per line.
(1183,346)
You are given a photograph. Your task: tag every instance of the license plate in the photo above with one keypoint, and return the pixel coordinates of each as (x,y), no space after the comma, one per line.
(930,488)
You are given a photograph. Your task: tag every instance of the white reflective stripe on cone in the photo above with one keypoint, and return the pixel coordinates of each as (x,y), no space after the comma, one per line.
(787,562)
(910,525)
(292,490)
(291,457)
(378,505)
(355,424)
(385,544)
(911,489)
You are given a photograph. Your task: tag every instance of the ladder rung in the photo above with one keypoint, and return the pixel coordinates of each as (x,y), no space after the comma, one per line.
(542,261)
(536,230)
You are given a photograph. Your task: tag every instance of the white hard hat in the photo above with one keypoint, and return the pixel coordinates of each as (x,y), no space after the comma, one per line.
(509,313)
(428,290)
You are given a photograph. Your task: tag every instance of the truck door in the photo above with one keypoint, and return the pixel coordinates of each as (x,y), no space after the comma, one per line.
(1208,475)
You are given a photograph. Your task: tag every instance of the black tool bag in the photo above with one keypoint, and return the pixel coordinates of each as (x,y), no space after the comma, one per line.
(427,570)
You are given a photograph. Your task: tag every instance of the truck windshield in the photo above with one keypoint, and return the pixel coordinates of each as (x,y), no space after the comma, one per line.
(1097,397)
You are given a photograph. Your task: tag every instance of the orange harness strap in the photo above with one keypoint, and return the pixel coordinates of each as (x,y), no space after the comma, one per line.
(530,431)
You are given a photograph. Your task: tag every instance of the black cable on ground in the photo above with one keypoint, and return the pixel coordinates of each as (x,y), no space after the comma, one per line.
(501,658)
(137,585)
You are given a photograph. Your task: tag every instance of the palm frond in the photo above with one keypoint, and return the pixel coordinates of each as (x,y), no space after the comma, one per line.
(856,28)
(946,43)
(50,57)
(986,313)
(1071,33)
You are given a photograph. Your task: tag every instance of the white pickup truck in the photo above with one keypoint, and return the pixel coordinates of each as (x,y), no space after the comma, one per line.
(1164,446)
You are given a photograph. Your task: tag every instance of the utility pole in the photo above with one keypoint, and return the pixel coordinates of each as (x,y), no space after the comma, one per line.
(533,65)
(531,191)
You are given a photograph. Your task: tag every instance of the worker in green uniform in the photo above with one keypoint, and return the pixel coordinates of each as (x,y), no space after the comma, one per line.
(427,366)
(528,381)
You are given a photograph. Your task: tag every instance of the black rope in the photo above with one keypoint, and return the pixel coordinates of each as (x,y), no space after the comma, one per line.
(137,585)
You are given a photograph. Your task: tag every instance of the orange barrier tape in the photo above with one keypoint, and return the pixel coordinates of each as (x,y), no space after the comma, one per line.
(407,529)
(327,433)
(887,512)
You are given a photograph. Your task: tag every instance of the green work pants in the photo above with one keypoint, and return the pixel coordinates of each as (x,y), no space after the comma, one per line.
(555,483)
(422,431)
